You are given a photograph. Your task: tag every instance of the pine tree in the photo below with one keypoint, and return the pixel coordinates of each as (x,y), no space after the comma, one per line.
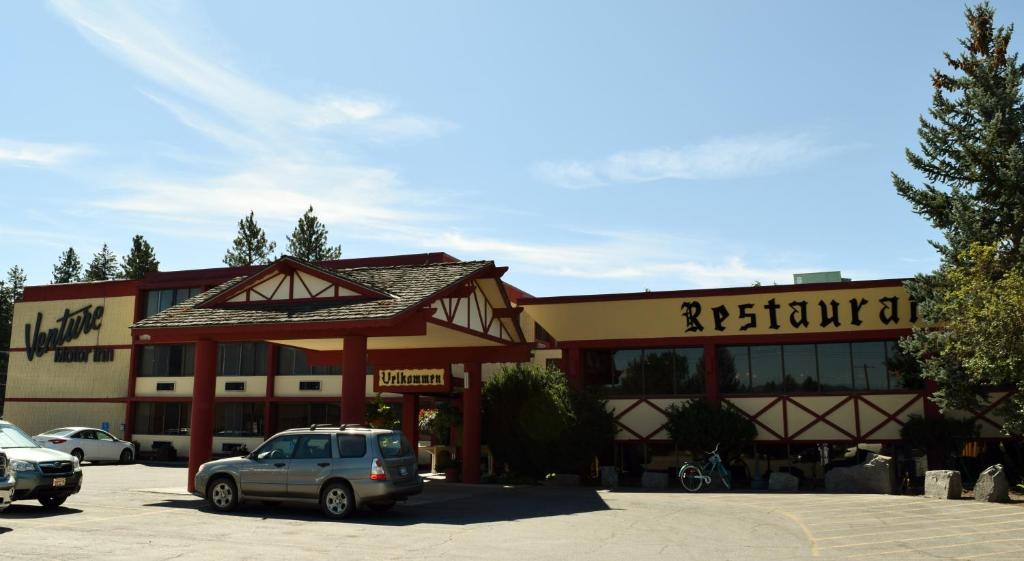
(972,160)
(250,246)
(10,292)
(309,240)
(68,268)
(103,266)
(140,260)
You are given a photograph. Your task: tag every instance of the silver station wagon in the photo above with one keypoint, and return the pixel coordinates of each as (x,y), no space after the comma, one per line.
(339,468)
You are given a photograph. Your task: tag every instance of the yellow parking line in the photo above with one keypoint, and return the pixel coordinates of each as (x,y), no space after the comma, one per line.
(952,515)
(918,522)
(807,532)
(1012,552)
(886,531)
(944,536)
(947,546)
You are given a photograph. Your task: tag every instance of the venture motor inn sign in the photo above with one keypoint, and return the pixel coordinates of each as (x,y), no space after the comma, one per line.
(69,326)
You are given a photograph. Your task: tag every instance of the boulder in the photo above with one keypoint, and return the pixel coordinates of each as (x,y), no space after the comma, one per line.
(992,485)
(654,480)
(779,481)
(609,477)
(942,484)
(873,475)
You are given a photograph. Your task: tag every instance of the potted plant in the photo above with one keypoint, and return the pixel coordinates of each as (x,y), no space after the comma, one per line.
(380,414)
(442,421)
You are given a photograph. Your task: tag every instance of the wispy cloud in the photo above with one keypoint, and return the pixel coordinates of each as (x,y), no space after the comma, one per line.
(158,41)
(623,256)
(285,153)
(21,153)
(719,158)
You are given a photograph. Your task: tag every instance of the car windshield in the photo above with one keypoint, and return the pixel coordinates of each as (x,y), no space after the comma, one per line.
(394,445)
(12,437)
(58,432)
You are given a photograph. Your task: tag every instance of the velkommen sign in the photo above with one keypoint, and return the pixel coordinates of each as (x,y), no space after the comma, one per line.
(69,326)
(412,380)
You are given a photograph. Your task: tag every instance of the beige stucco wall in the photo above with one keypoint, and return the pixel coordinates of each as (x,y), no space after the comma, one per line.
(42,377)
(146,387)
(288,386)
(38,416)
(658,316)
(255,386)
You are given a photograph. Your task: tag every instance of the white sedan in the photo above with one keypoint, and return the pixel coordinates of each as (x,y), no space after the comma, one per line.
(87,443)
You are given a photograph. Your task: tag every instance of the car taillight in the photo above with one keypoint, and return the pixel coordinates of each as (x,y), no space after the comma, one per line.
(377,472)
(57,441)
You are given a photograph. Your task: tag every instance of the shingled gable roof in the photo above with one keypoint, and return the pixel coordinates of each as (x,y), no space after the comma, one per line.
(405,288)
(285,264)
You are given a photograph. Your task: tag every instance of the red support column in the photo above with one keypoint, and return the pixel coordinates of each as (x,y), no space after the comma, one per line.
(269,422)
(471,403)
(573,371)
(353,380)
(711,374)
(204,387)
(411,418)
(129,406)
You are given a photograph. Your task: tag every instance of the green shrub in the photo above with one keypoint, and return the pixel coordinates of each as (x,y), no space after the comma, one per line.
(534,424)
(698,426)
(941,437)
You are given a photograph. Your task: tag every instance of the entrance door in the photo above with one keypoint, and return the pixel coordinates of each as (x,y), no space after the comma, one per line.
(267,473)
(310,466)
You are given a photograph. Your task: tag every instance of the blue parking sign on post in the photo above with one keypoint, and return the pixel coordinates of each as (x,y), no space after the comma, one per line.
(105,425)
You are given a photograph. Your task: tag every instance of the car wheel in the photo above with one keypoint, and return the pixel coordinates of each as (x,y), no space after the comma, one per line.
(52,501)
(127,456)
(222,494)
(77,452)
(337,500)
(381,507)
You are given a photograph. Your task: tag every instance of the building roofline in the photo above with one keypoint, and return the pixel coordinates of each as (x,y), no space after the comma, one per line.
(697,292)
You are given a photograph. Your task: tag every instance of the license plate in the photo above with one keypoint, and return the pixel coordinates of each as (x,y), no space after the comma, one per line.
(59,481)
(402,470)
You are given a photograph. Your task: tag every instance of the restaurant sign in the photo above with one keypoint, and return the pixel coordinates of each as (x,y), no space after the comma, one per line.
(408,380)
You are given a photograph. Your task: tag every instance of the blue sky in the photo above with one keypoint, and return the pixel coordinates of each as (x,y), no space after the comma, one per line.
(590,146)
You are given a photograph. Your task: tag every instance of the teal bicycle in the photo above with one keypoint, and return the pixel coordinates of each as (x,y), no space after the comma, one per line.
(693,476)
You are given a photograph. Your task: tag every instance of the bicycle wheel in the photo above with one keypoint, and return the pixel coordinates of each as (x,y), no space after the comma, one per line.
(691,478)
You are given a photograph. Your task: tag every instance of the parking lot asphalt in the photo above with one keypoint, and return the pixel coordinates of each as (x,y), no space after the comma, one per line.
(141,512)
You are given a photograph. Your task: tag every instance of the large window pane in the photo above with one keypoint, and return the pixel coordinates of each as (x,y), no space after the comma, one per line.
(834,366)
(292,362)
(659,371)
(159,300)
(733,369)
(689,370)
(627,376)
(869,372)
(766,368)
(162,418)
(166,360)
(801,367)
(242,359)
(238,419)
(296,415)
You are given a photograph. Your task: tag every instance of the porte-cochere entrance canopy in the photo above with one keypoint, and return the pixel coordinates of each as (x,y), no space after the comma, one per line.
(425,316)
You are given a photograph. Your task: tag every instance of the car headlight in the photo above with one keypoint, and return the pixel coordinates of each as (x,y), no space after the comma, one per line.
(75,462)
(22,465)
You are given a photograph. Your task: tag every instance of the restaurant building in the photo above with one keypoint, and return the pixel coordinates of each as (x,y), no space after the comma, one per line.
(210,361)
